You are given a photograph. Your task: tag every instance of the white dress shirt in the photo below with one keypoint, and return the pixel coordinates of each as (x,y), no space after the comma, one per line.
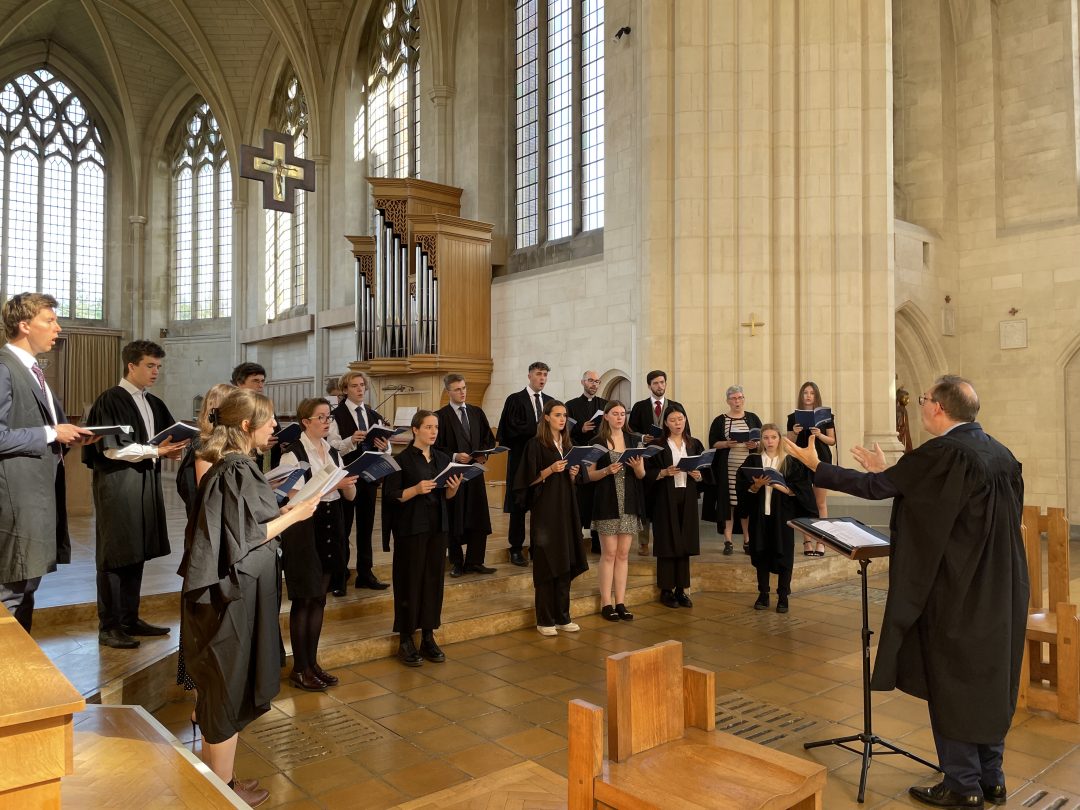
(318,457)
(677,455)
(28,360)
(345,444)
(770,463)
(135,453)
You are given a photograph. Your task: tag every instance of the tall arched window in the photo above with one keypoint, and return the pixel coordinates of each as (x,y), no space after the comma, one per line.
(52,205)
(202,217)
(387,127)
(559,119)
(285,233)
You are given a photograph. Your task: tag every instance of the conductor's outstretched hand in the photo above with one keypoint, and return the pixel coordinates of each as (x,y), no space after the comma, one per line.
(870,460)
(807,455)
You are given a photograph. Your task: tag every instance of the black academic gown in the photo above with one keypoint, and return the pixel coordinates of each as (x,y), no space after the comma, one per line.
(129,507)
(772,541)
(675,531)
(953,630)
(468,510)
(642,415)
(517,425)
(582,409)
(555,526)
(715,504)
(229,600)
(606,500)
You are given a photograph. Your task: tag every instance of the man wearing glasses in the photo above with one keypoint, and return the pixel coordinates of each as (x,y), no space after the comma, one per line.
(581,409)
(953,632)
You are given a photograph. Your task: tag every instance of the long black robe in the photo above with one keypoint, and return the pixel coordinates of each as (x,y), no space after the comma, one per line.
(772,541)
(554,524)
(517,426)
(676,533)
(129,508)
(605,499)
(229,600)
(468,510)
(953,630)
(715,503)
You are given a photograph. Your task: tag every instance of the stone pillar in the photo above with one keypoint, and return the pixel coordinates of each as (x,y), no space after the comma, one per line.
(239,270)
(442,122)
(139,290)
(318,260)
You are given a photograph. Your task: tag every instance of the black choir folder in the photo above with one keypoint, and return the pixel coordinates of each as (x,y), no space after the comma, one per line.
(287,434)
(846,535)
(108,430)
(380,432)
(635,452)
(467,471)
(372,466)
(774,476)
(584,454)
(691,463)
(180,432)
(813,418)
(751,435)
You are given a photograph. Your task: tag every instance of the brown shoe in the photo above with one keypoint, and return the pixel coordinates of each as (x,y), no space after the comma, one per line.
(245,784)
(253,798)
(307,681)
(324,676)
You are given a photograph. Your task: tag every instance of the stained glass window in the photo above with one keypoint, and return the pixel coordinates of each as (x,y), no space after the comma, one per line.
(52,195)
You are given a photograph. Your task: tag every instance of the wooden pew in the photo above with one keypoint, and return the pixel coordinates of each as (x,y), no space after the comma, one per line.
(664,751)
(1050,681)
(36,707)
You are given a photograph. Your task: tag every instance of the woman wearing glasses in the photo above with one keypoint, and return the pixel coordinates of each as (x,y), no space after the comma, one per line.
(312,552)
(730,454)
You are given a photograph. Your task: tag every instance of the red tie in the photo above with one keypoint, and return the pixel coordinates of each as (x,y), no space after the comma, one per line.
(656,410)
(40,377)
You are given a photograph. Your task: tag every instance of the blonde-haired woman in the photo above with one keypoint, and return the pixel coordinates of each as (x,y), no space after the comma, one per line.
(229,598)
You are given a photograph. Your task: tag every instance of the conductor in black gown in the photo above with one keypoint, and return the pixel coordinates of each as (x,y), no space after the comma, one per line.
(581,410)
(953,630)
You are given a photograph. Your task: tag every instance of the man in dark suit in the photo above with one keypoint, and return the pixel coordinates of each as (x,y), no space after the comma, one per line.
(349,424)
(648,412)
(33,429)
(582,410)
(953,632)
(464,429)
(521,413)
(129,507)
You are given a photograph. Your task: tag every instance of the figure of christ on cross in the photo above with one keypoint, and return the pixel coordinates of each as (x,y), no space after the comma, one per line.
(279,170)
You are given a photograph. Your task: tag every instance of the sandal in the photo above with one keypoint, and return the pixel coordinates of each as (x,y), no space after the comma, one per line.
(808,548)
(729,549)
(820,550)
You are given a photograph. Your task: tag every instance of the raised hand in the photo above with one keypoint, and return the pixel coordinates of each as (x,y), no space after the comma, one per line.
(870,460)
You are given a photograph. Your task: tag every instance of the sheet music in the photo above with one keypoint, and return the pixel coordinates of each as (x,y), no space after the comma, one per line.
(852,534)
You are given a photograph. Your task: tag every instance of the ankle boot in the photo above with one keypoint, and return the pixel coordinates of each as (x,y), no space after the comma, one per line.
(667,599)
(407,653)
(429,649)
(762,602)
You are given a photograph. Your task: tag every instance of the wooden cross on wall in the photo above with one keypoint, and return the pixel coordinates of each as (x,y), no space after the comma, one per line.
(280,171)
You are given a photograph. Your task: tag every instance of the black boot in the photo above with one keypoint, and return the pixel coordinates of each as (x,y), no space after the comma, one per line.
(781,604)
(682,599)
(429,649)
(762,602)
(407,651)
(667,599)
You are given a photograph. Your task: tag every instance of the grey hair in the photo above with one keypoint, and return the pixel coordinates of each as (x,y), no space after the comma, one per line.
(733,389)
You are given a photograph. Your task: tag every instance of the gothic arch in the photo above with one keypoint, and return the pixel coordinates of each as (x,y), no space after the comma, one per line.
(919,357)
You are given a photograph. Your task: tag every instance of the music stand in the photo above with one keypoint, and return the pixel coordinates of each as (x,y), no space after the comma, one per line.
(862,555)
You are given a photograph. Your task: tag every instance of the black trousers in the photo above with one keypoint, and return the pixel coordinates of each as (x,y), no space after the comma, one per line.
(783,580)
(475,544)
(968,766)
(419,562)
(553,601)
(360,512)
(516,533)
(118,591)
(18,597)
(672,573)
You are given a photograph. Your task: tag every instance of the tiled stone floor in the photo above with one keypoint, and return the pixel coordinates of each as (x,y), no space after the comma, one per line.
(501,700)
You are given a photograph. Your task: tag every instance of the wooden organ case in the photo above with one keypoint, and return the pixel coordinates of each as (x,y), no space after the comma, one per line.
(423,296)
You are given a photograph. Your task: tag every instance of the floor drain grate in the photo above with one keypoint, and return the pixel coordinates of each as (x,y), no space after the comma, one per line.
(765,622)
(1034,796)
(762,722)
(875,596)
(289,742)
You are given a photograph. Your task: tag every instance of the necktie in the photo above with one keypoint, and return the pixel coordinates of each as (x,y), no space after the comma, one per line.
(361,418)
(656,410)
(40,377)
(464,420)
(539,407)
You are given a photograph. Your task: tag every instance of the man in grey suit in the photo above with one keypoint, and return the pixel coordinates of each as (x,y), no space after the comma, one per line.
(33,431)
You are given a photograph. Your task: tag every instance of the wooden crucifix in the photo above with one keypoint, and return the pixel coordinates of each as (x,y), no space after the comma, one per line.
(752,323)
(279,170)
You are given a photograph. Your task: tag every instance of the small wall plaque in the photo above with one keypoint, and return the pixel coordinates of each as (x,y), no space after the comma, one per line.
(1013,334)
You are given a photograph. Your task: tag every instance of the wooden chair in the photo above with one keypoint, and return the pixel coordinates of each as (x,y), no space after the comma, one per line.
(663,748)
(1050,681)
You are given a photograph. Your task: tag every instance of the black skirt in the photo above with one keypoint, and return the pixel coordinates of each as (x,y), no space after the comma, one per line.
(314,549)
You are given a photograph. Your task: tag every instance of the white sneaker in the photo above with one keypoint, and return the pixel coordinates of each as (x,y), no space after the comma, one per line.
(546,631)
(572,627)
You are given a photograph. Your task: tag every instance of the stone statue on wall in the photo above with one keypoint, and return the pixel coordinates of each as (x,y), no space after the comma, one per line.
(903,429)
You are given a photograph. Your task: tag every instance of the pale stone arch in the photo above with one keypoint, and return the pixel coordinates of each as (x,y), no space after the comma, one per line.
(615,384)
(919,360)
(1069,365)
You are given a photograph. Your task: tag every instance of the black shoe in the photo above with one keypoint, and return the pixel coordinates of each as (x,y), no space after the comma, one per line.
(995,794)
(456,571)
(941,796)
(117,639)
(682,599)
(729,549)
(308,681)
(518,559)
(407,652)
(479,569)
(141,628)
(608,612)
(370,581)
(667,599)
(430,650)
(624,614)
(781,604)
(338,591)
(762,602)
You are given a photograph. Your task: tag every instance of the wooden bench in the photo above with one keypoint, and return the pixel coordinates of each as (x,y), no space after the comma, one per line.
(1050,678)
(36,707)
(664,751)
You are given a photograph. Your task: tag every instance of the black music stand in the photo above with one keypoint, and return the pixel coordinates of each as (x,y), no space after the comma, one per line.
(862,555)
